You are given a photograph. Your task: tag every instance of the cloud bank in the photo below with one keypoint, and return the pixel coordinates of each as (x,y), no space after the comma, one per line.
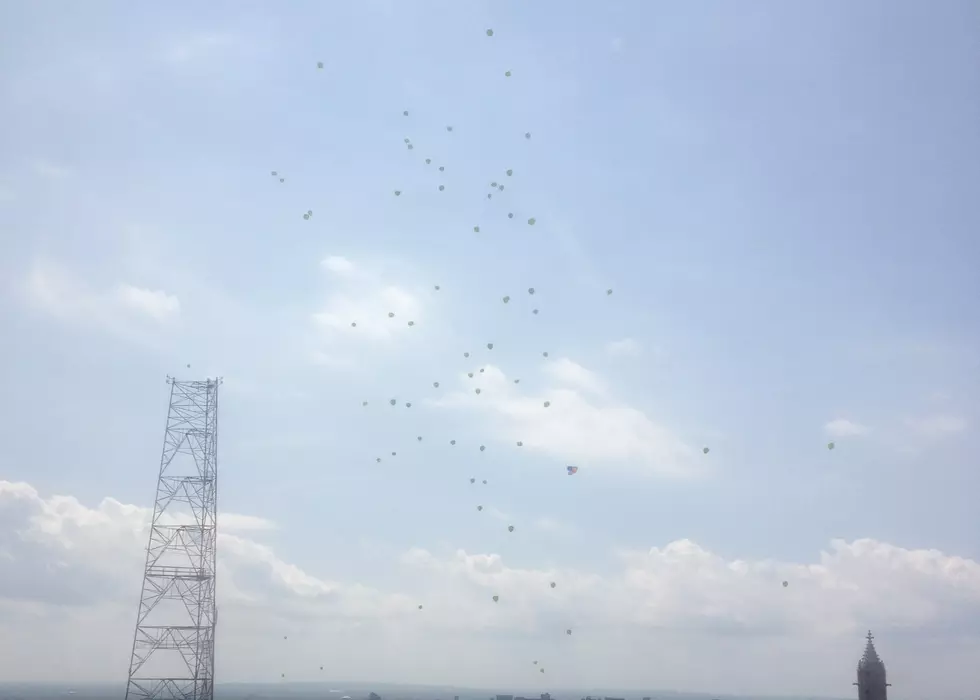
(75,564)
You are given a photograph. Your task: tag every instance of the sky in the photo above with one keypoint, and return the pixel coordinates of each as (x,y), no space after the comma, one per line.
(781,197)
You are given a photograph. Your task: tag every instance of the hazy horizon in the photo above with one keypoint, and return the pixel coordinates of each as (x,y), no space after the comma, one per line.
(430,691)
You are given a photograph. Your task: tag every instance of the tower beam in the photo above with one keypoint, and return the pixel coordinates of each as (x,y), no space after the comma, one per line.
(173,645)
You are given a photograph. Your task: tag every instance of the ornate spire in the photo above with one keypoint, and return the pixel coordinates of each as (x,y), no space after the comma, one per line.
(870,657)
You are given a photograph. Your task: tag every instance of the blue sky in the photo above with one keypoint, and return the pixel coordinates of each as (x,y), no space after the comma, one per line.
(779,196)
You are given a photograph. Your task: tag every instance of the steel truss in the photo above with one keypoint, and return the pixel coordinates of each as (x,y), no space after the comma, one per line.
(173,646)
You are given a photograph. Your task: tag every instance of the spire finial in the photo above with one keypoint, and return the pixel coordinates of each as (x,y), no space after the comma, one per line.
(871,637)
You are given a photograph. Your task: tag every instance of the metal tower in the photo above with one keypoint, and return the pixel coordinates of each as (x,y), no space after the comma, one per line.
(173,646)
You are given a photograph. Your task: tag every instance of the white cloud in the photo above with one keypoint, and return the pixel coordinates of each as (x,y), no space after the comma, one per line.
(56,291)
(370,313)
(362,296)
(74,566)
(106,543)
(235,522)
(597,431)
(683,586)
(156,303)
(337,264)
(565,372)
(627,347)
(938,426)
(841,427)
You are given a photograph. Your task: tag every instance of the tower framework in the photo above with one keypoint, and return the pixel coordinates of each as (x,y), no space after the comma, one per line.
(173,645)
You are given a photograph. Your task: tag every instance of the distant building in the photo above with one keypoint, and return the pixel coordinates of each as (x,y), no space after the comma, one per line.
(871,681)
(374,696)
(505,697)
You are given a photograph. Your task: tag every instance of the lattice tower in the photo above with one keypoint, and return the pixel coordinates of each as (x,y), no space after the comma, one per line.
(173,646)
